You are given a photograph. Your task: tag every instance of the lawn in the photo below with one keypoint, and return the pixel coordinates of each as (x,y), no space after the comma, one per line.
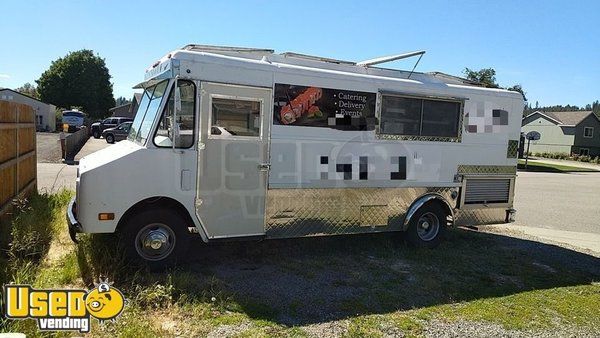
(352,286)
(550,167)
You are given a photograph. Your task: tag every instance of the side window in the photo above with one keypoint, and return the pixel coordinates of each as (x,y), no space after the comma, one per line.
(181,126)
(409,116)
(233,117)
(400,115)
(440,118)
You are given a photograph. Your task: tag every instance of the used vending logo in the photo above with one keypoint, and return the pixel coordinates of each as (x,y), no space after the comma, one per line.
(68,310)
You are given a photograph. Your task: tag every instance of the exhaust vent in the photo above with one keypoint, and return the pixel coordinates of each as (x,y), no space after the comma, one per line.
(487,191)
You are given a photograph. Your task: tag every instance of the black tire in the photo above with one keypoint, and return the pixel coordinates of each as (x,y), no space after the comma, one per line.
(96,133)
(158,223)
(110,138)
(422,231)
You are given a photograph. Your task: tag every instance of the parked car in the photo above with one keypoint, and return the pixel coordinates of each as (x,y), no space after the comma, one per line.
(98,127)
(119,133)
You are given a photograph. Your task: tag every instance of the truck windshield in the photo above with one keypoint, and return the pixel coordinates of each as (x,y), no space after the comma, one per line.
(147,110)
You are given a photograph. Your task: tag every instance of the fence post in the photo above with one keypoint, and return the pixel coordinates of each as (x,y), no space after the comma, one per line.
(16,111)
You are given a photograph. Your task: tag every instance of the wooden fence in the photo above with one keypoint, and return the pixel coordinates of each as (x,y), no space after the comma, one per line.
(18,171)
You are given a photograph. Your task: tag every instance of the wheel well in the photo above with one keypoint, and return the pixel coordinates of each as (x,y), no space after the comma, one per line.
(431,199)
(442,205)
(158,202)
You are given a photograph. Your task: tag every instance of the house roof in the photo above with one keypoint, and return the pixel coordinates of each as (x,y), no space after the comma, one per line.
(16,92)
(121,106)
(568,118)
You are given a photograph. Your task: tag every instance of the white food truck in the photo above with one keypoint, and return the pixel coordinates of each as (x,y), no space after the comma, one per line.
(241,143)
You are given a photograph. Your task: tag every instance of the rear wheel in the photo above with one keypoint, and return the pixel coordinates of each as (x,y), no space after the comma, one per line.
(156,238)
(110,138)
(427,226)
(96,133)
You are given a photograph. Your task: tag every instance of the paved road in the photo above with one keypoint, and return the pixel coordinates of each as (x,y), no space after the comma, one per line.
(568,202)
(54,176)
(92,145)
(51,177)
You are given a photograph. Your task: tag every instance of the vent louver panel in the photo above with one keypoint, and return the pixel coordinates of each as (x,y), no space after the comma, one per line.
(487,191)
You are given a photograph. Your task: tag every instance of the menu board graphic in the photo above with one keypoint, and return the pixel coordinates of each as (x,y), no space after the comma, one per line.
(324,107)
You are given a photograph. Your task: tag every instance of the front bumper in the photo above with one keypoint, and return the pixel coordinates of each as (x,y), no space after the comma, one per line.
(74,225)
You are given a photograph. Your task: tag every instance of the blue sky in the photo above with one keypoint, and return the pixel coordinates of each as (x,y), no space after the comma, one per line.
(551,48)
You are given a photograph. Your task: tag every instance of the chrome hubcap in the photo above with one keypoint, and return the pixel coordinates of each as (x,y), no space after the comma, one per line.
(155,241)
(428,226)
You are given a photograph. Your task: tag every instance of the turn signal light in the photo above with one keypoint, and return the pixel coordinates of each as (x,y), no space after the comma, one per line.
(106,216)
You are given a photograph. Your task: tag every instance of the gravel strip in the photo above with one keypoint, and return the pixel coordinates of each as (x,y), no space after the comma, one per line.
(436,328)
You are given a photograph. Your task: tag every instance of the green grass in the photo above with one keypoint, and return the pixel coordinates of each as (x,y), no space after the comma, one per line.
(533,165)
(364,285)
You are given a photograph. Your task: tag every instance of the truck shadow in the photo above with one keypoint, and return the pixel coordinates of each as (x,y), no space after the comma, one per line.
(311,280)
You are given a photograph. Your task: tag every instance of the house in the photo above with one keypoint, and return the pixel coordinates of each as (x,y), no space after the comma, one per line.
(45,114)
(128,109)
(572,132)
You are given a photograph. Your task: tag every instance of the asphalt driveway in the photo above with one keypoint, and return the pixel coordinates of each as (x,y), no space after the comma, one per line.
(569,202)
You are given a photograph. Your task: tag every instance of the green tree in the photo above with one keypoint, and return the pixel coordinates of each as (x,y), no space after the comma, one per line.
(596,107)
(121,101)
(518,88)
(78,79)
(485,76)
(29,90)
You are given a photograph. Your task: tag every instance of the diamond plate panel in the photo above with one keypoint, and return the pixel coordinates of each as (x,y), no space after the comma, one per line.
(374,215)
(513,149)
(312,212)
(419,138)
(487,169)
(480,216)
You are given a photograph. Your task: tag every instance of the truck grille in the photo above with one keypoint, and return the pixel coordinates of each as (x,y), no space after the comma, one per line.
(487,191)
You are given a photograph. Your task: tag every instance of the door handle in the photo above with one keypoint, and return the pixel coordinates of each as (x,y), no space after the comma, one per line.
(264,166)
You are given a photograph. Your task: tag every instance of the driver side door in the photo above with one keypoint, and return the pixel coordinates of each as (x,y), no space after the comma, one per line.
(233,159)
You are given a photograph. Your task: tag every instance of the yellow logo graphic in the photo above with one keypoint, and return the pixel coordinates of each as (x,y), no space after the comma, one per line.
(63,309)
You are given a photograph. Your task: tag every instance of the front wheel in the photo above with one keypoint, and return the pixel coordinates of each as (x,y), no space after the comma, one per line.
(427,226)
(156,238)
(96,134)
(110,138)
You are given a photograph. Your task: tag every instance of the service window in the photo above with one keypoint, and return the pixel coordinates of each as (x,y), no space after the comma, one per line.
(234,117)
(178,126)
(423,117)
(440,118)
(400,115)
